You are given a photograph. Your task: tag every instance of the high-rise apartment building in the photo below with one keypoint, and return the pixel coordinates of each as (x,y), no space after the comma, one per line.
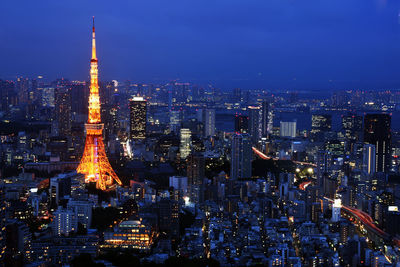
(377,132)
(185,143)
(265,118)
(138,113)
(288,129)
(241,155)
(369,159)
(241,124)
(195,171)
(320,124)
(64,221)
(63,111)
(254,123)
(209,122)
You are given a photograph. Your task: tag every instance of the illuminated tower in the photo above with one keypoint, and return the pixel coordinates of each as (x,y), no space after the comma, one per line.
(94,163)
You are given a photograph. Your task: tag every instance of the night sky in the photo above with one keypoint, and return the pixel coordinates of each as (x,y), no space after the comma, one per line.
(300,44)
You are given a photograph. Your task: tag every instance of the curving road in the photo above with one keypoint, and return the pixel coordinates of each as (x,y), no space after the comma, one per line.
(263,156)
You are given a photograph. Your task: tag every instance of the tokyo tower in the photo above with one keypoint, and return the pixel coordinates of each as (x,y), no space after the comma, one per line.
(94,163)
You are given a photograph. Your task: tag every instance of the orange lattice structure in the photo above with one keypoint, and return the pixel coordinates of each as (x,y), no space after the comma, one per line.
(94,163)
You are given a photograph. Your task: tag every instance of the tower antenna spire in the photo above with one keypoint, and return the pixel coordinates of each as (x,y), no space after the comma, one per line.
(93,43)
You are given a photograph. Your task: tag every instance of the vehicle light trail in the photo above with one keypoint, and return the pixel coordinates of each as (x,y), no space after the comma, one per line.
(263,156)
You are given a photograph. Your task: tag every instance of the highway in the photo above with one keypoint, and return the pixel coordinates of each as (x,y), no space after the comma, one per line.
(366,220)
(362,216)
(263,156)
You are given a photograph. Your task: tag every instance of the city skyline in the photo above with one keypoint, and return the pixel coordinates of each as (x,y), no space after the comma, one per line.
(306,45)
(177,172)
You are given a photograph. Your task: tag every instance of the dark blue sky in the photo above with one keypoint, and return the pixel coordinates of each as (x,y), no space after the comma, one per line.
(247,43)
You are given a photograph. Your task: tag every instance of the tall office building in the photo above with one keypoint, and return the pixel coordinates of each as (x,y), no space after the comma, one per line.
(377,132)
(241,155)
(241,124)
(7,95)
(80,95)
(208,117)
(185,143)
(168,218)
(352,127)
(138,111)
(60,187)
(63,111)
(337,204)
(48,97)
(288,129)
(369,160)
(320,123)
(195,171)
(254,123)
(23,90)
(265,118)
(175,120)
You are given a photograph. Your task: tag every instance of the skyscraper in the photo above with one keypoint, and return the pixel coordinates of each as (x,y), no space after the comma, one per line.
(288,129)
(369,160)
(377,132)
(320,123)
(241,155)
(241,124)
(265,118)
(195,171)
(7,94)
(209,122)
(23,90)
(138,111)
(94,163)
(63,110)
(254,123)
(185,143)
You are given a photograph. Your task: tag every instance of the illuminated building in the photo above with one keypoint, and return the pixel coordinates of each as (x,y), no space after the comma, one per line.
(335,147)
(369,163)
(287,129)
(377,132)
(186,143)
(352,127)
(241,124)
(82,210)
(138,110)
(241,156)
(22,90)
(174,120)
(7,94)
(266,119)
(94,163)
(60,187)
(254,123)
(48,97)
(195,169)
(319,125)
(130,234)
(209,122)
(168,216)
(64,221)
(63,111)
(337,204)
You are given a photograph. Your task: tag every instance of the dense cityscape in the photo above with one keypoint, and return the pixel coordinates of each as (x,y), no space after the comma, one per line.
(101,172)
